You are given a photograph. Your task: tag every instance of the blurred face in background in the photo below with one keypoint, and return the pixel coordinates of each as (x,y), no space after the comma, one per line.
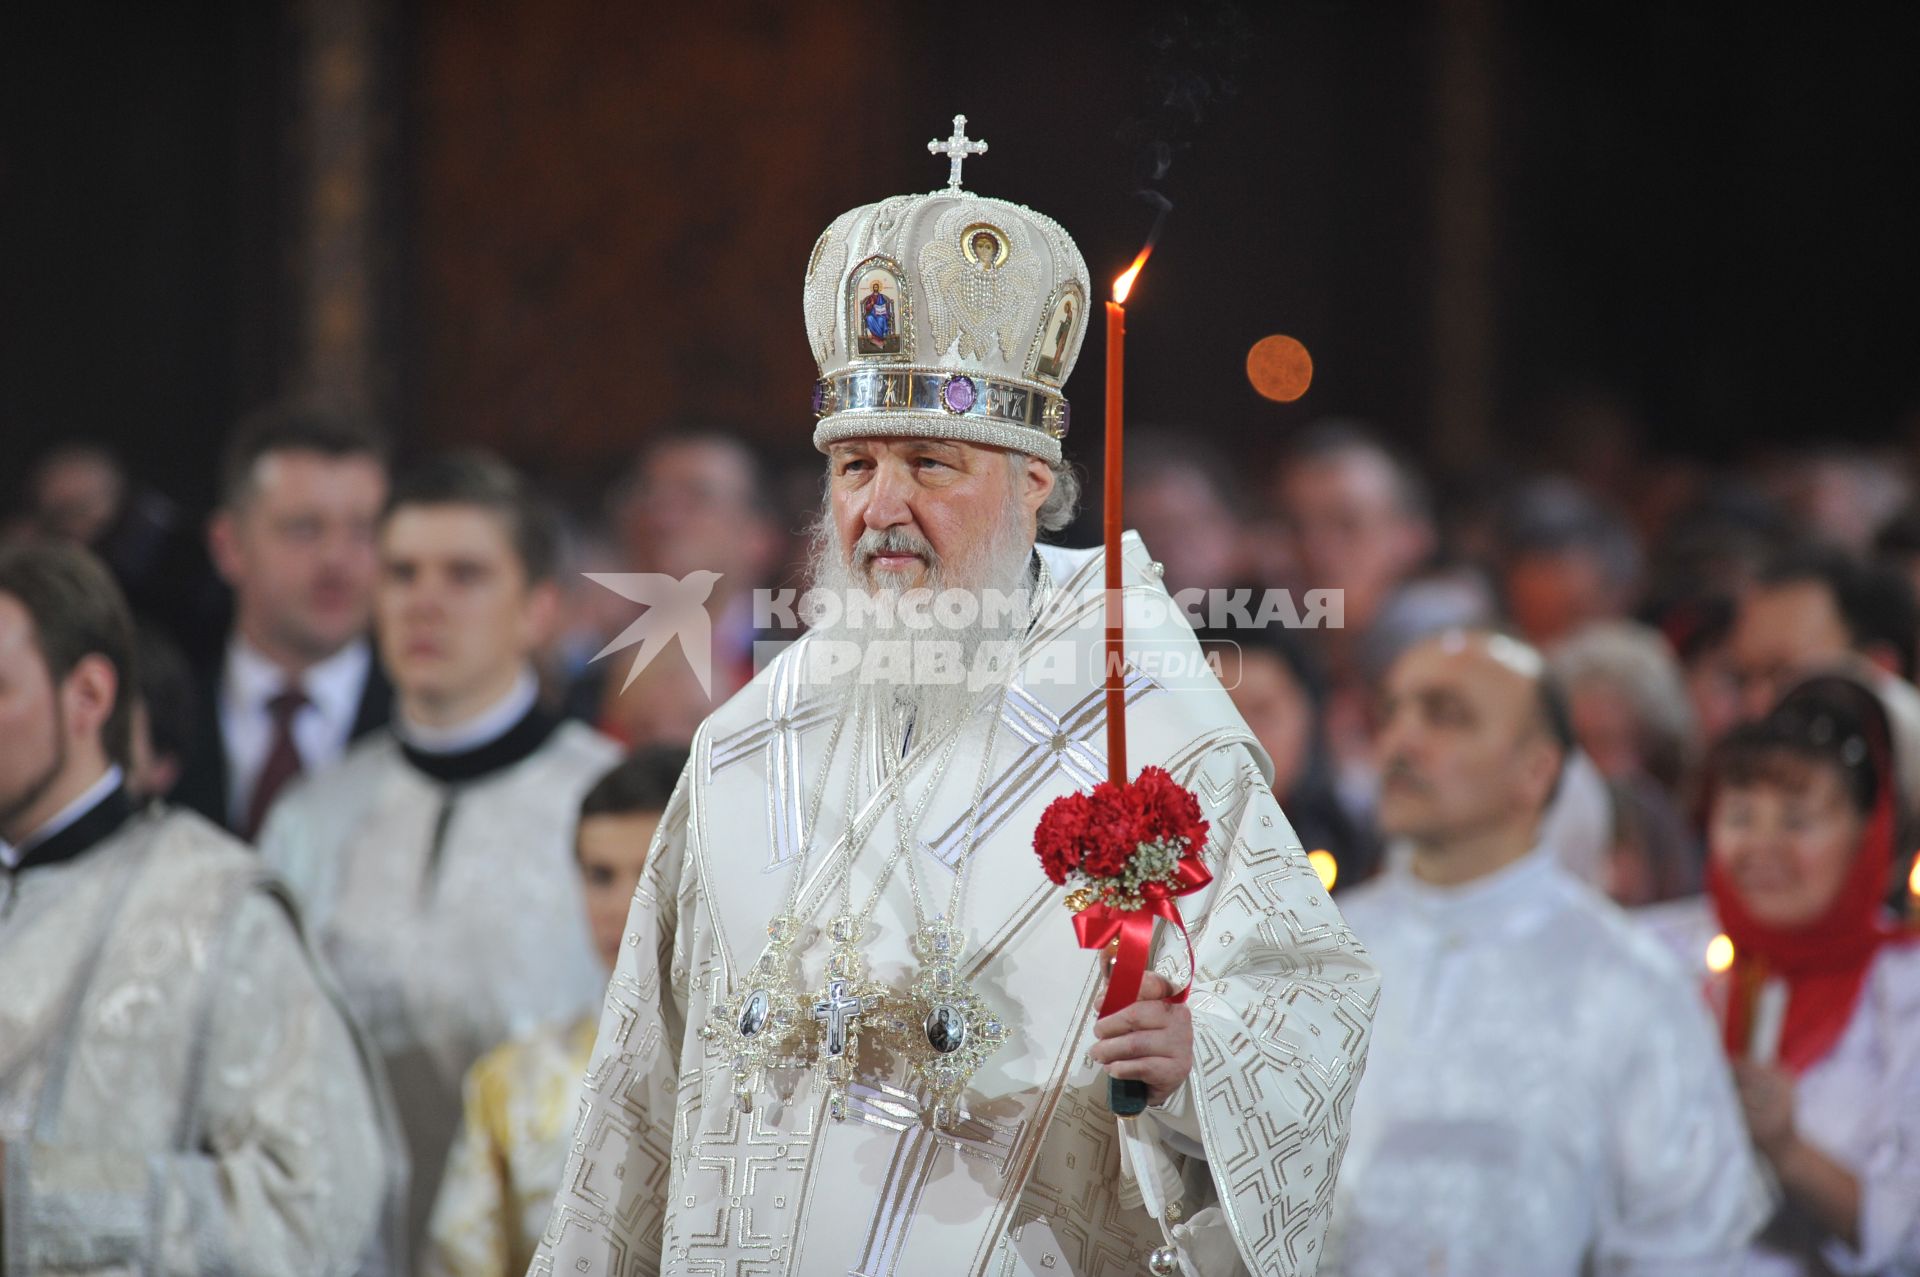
(1276,707)
(612,850)
(1608,727)
(1463,750)
(51,730)
(1786,840)
(692,507)
(458,618)
(77,495)
(1713,686)
(1350,529)
(297,547)
(1187,527)
(1552,596)
(1781,633)
(664,705)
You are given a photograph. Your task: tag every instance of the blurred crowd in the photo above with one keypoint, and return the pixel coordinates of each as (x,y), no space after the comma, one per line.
(1674,600)
(1674,607)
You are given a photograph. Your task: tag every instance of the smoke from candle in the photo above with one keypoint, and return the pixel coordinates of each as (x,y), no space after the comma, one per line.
(1196,53)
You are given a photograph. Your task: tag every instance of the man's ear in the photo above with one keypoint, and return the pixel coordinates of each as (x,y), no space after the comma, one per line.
(223,545)
(1039,484)
(543,614)
(1541,761)
(87,696)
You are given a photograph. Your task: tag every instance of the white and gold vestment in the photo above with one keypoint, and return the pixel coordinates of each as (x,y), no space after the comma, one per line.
(180,1091)
(670,1175)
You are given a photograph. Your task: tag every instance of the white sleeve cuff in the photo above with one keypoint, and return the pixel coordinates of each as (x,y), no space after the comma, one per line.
(1179,1123)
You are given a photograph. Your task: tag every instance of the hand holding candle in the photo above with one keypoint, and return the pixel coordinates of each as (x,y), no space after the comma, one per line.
(1149,1042)
(1126,852)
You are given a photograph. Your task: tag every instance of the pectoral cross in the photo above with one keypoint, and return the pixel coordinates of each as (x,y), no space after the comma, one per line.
(956,148)
(838,1010)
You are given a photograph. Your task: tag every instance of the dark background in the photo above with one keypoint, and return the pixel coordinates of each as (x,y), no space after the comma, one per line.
(587,222)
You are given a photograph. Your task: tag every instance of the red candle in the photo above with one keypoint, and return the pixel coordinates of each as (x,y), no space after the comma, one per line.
(1116,469)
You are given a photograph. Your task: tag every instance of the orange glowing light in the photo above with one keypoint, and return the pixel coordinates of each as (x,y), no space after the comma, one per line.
(1719,954)
(1326,866)
(1280,368)
(1913,878)
(1124,284)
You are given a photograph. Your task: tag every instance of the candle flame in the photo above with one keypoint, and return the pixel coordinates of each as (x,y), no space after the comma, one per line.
(1124,283)
(1719,954)
(1913,879)
(1326,866)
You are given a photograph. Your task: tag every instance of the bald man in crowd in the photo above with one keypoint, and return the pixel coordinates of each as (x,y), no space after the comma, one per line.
(1545,1095)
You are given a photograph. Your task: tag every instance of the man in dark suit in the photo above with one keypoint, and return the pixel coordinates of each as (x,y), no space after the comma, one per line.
(301,493)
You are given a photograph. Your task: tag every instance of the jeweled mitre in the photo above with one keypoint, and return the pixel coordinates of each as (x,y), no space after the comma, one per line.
(950,315)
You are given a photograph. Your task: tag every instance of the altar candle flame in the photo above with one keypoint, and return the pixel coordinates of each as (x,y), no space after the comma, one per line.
(1913,879)
(1719,954)
(1123,284)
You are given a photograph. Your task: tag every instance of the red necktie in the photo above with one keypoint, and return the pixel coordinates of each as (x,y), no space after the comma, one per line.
(283,759)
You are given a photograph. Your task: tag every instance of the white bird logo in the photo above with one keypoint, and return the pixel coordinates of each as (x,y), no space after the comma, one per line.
(675,608)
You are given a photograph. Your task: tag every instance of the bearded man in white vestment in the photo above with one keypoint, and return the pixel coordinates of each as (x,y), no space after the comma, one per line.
(843,900)
(180,1091)
(435,861)
(1545,1095)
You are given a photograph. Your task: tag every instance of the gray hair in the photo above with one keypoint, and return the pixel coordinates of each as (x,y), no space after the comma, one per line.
(1636,663)
(1063,503)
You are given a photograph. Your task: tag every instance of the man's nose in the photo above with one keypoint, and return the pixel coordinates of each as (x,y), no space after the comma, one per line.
(421,599)
(887,499)
(1395,742)
(341,549)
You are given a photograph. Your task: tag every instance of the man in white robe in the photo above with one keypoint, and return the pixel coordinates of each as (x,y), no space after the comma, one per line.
(1545,1095)
(1231,1168)
(435,861)
(180,1092)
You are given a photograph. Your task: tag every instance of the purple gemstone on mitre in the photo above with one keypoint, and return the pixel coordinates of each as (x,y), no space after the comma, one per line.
(1066,418)
(958,394)
(820,397)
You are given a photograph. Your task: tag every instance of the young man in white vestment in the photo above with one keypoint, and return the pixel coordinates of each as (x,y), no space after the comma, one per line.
(435,861)
(180,1091)
(851,1030)
(1545,1096)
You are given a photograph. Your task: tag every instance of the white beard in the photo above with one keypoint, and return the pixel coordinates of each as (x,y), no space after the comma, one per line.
(932,674)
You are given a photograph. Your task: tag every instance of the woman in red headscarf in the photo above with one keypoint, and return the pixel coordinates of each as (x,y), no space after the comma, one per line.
(1820,1005)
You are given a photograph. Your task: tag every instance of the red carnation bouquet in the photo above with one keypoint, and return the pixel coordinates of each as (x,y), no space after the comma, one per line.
(1126,850)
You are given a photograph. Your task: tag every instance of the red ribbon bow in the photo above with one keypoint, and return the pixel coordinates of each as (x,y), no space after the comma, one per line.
(1100,925)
